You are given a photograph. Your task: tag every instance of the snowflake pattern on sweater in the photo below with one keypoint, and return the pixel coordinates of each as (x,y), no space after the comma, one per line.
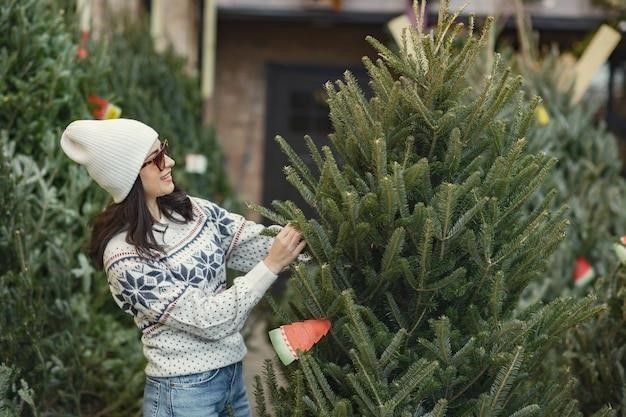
(190,321)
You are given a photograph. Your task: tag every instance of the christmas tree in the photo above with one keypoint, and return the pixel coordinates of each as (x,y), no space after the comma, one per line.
(65,345)
(51,315)
(587,174)
(589,180)
(420,247)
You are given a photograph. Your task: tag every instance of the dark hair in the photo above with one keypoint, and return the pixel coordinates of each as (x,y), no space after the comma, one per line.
(132,215)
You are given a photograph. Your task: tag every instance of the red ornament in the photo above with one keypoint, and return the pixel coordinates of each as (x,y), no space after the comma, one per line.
(81,51)
(102,109)
(583,272)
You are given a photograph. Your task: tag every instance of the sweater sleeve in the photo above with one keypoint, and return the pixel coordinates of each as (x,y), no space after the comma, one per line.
(147,289)
(242,240)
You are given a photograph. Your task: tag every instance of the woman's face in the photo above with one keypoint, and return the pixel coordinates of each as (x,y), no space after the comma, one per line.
(156,174)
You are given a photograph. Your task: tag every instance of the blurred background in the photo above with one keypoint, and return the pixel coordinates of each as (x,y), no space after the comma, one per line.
(220,79)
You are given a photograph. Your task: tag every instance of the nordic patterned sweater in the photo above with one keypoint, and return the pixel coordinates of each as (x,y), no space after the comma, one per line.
(189,320)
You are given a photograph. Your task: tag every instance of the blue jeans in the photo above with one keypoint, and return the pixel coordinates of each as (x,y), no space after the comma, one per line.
(207,394)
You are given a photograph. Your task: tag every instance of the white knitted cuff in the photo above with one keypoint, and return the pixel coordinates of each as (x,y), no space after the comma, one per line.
(260,278)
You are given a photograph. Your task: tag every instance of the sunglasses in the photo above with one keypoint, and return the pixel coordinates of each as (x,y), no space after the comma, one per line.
(159,158)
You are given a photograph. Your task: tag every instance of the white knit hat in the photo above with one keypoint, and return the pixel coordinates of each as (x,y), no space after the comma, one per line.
(112,150)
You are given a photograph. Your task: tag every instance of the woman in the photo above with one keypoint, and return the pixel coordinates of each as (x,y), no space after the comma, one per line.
(165,255)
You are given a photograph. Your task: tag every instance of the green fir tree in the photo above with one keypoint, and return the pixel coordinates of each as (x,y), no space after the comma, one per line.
(589,180)
(421,248)
(587,174)
(57,336)
(66,349)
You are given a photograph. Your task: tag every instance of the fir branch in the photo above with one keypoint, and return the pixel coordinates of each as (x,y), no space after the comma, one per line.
(463,60)
(545,204)
(524,116)
(466,349)
(441,328)
(439,410)
(331,164)
(452,158)
(445,20)
(400,187)
(268,214)
(299,397)
(360,335)
(352,88)
(380,78)
(504,381)
(294,179)
(387,200)
(440,348)
(364,398)
(393,348)
(496,296)
(449,279)
(379,158)
(277,310)
(290,211)
(393,249)
(318,241)
(417,179)
(525,240)
(408,151)
(487,232)
(416,375)
(527,411)
(297,163)
(271,381)
(465,218)
(361,186)
(413,100)
(301,277)
(424,252)
(259,395)
(319,393)
(322,381)
(565,313)
(351,206)
(444,202)
(422,61)
(397,314)
(473,122)
(329,212)
(470,244)
(522,194)
(315,154)
(390,109)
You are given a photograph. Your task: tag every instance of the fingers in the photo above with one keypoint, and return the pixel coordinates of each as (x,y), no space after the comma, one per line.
(292,241)
(290,236)
(300,246)
(287,245)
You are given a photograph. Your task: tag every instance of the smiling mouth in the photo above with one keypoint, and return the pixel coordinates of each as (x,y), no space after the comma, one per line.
(167,177)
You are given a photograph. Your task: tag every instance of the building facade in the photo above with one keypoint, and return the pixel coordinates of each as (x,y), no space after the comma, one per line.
(264,63)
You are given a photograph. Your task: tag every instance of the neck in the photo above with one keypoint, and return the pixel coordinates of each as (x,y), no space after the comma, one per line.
(153,208)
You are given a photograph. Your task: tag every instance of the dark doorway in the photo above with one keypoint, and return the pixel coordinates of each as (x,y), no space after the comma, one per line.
(296,106)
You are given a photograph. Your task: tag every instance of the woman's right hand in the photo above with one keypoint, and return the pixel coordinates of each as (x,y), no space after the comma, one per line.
(287,245)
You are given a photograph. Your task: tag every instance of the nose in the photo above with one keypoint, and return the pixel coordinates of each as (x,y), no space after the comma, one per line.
(169,162)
